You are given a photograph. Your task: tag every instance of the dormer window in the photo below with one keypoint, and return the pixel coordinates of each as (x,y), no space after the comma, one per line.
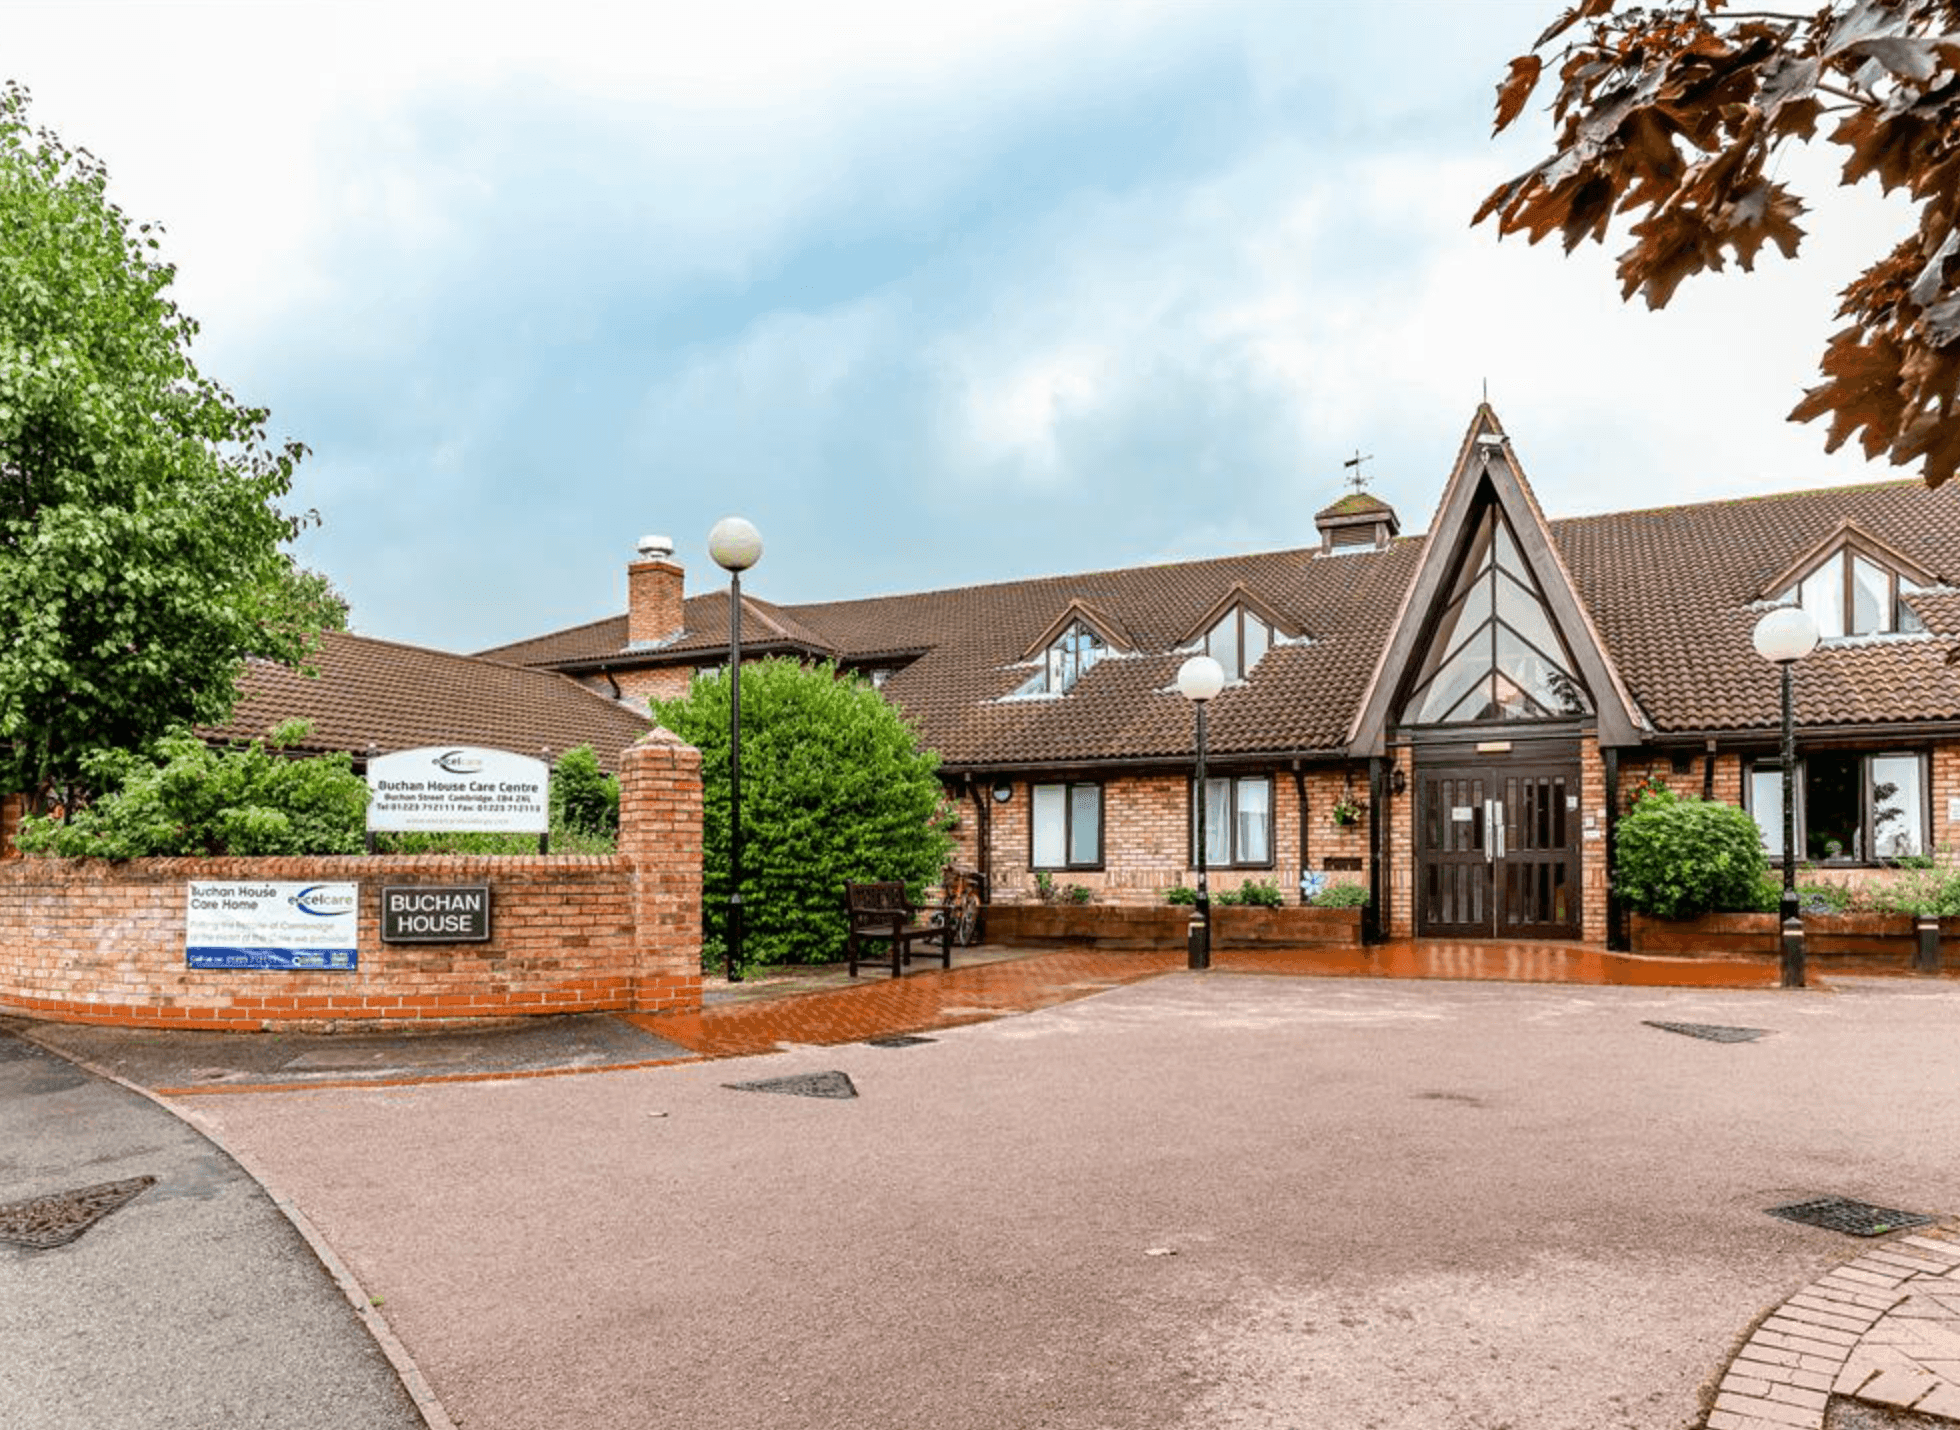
(1851,594)
(1238,641)
(1066,660)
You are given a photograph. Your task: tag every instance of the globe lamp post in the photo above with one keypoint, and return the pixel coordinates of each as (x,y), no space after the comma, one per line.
(1783,637)
(1199,680)
(736,546)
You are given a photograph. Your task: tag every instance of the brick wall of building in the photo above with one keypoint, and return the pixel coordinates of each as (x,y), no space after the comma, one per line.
(86,941)
(1146,843)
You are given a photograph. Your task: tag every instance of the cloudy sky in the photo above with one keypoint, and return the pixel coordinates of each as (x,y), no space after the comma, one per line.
(933,294)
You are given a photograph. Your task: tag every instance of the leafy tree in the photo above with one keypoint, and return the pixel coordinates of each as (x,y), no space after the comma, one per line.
(1675,112)
(835,789)
(183,797)
(583,797)
(140,543)
(1681,857)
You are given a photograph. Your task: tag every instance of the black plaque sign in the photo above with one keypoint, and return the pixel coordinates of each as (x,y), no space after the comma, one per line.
(432,913)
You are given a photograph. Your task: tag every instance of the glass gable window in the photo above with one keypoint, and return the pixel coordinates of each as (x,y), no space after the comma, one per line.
(1066,661)
(1238,823)
(1238,642)
(1496,654)
(1850,808)
(1853,595)
(1066,826)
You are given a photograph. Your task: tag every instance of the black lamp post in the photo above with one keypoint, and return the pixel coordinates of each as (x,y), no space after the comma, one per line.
(1198,680)
(1785,636)
(736,546)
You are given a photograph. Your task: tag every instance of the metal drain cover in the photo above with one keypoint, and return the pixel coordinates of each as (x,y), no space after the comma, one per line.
(1852,1218)
(898,1040)
(58,1218)
(823,1084)
(1710,1032)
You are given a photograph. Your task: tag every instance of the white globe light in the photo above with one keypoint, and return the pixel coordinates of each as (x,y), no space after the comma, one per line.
(1200,678)
(735,544)
(1786,633)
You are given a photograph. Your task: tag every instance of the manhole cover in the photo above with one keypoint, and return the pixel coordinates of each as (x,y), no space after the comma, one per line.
(898,1040)
(57,1219)
(823,1084)
(1711,1032)
(1852,1218)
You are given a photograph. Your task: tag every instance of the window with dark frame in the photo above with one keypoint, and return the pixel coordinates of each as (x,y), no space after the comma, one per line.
(1238,822)
(1496,653)
(1853,594)
(1851,808)
(1065,826)
(1238,642)
(1068,658)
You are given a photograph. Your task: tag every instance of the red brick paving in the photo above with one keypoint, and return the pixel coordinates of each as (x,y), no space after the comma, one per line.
(918,1002)
(915,1003)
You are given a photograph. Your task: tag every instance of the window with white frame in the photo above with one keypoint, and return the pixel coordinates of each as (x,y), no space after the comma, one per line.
(1852,594)
(1238,823)
(1851,808)
(1065,826)
(1066,660)
(1238,642)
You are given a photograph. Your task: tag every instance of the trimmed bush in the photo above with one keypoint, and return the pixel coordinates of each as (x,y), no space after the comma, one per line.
(835,789)
(1681,857)
(584,798)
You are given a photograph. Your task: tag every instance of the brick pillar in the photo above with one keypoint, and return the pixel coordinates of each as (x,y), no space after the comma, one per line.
(660,834)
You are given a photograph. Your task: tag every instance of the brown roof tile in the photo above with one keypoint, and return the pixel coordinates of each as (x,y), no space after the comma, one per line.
(400,696)
(1671,592)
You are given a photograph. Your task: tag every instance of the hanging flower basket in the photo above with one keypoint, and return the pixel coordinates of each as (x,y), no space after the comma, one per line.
(1346,813)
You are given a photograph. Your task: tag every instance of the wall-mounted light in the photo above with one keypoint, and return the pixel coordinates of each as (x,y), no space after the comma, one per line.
(1399,781)
(1003,793)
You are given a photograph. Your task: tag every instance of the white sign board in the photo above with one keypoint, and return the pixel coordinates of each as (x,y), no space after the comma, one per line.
(459,787)
(271,925)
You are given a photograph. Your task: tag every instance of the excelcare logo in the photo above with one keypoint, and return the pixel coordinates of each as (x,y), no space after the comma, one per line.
(457,763)
(322,903)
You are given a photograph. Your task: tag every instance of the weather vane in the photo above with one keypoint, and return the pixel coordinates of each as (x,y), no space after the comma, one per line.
(1359,479)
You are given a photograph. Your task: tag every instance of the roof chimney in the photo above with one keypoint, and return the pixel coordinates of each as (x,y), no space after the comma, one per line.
(1357,522)
(653,594)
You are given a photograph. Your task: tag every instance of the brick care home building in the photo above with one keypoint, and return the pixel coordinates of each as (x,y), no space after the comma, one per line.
(1439,717)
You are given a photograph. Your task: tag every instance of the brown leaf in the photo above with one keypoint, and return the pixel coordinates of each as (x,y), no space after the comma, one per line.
(1766,213)
(1514,91)
(1861,391)
(1674,244)
(1935,436)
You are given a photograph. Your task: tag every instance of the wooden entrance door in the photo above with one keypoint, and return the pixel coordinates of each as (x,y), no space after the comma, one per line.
(1497,850)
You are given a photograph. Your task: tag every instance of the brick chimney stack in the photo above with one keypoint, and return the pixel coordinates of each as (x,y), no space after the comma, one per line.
(653,594)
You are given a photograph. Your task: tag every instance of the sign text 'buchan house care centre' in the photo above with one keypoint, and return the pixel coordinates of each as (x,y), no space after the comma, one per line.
(271,925)
(452,787)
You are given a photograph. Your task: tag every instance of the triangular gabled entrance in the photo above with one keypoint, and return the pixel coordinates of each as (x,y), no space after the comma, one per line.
(1491,628)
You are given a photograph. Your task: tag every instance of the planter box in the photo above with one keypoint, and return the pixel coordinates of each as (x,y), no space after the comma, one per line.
(1165,926)
(1291,927)
(1871,940)
(1088,925)
(1715,934)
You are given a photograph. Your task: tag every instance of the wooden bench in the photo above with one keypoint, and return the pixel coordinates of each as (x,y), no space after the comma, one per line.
(881,911)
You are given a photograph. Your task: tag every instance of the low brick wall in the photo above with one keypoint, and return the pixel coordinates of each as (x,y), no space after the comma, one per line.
(1123,927)
(86,941)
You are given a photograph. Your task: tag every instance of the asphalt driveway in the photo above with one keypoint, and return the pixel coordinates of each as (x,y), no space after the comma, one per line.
(1199,1201)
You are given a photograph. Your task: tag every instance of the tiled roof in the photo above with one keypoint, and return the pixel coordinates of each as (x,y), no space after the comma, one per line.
(1671,592)
(400,696)
(1355,504)
(1674,595)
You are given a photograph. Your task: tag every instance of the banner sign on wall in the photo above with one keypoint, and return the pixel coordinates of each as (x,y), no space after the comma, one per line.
(461,788)
(272,925)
